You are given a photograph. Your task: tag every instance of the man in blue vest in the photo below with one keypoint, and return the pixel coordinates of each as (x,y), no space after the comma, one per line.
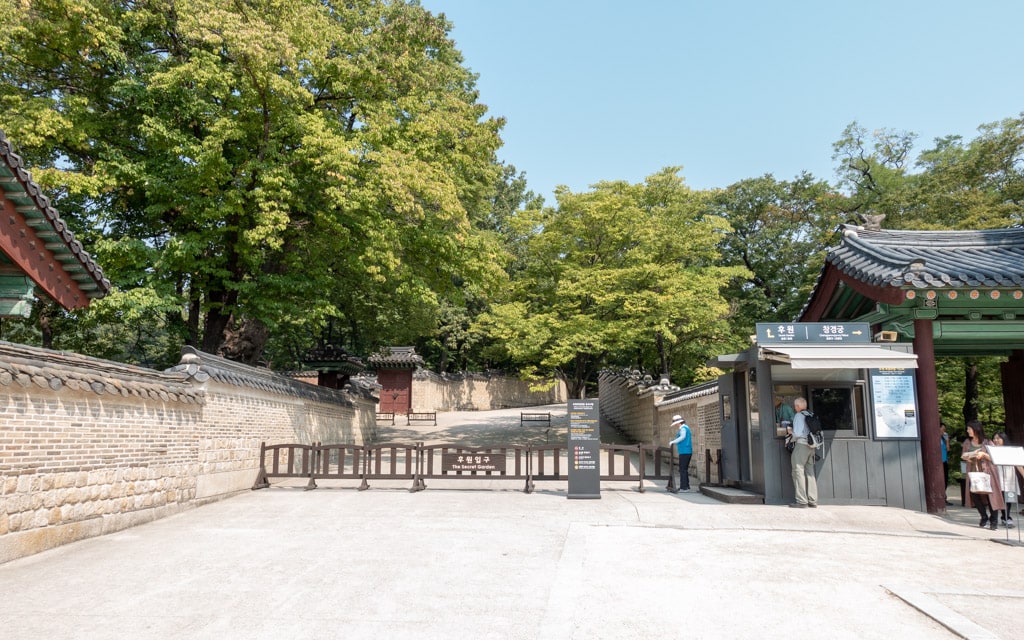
(684,446)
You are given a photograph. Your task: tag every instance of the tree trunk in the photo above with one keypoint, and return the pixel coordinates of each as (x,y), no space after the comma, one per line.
(46,327)
(970,391)
(659,338)
(244,341)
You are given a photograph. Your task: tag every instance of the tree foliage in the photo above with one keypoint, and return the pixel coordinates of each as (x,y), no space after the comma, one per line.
(259,166)
(608,271)
(780,231)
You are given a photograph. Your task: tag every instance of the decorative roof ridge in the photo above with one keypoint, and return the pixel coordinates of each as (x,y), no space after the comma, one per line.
(1012,236)
(33,190)
(200,367)
(695,391)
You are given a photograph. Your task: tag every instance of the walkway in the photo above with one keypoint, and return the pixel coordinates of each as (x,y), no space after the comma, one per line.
(488,561)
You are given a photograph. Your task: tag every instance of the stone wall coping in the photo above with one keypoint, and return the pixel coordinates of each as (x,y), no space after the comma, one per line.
(55,370)
(200,367)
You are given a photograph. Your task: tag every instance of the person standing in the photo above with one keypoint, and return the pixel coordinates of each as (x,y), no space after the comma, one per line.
(1008,482)
(945,457)
(805,485)
(977,458)
(684,447)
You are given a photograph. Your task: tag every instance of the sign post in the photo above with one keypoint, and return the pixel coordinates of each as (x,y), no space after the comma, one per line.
(584,450)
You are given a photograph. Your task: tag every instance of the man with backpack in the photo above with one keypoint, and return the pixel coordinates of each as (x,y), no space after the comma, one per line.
(802,459)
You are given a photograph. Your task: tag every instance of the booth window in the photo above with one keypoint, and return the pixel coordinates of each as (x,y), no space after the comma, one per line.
(840,408)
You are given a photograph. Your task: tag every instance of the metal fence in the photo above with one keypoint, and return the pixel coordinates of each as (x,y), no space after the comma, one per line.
(420,462)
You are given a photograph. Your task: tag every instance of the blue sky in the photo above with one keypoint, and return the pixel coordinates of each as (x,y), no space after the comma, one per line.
(599,90)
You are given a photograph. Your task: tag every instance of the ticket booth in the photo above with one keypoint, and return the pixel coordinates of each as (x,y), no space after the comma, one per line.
(863,392)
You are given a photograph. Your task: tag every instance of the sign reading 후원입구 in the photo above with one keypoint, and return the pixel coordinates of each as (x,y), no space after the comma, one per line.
(584,449)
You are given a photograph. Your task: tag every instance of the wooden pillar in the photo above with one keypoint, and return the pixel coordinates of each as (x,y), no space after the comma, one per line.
(1013,396)
(928,409)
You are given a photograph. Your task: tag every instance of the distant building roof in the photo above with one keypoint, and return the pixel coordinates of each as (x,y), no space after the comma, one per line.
(36,243)
(396,358)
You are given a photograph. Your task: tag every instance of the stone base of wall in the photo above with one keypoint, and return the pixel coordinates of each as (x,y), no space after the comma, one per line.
(19,544)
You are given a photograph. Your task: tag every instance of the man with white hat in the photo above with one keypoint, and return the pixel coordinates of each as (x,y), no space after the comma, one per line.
(684,446)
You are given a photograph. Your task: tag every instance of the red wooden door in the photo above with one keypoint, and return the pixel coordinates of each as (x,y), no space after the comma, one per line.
(396,390)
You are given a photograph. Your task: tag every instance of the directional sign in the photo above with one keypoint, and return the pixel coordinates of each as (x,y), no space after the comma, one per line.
(584,449)
(813,333)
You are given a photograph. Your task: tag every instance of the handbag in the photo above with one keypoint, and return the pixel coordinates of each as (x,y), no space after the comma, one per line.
(980,481)
(790,444)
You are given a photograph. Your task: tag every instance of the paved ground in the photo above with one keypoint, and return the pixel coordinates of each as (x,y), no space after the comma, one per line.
(492,562)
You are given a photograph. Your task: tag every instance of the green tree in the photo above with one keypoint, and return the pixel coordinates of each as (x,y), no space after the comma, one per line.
(258,167)
(607,272)
(780,231)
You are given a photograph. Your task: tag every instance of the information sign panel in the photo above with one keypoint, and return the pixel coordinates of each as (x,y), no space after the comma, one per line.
(584,449)
(813,333)
(895,403)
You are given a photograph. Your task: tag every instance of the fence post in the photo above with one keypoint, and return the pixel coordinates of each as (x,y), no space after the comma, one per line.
(364,485)
(718,460)
(417,481)
(672,461)
(311,465)
(262,482)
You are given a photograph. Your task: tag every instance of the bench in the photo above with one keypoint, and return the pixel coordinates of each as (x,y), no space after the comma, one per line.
(386,417)
(421,417)
(534,417)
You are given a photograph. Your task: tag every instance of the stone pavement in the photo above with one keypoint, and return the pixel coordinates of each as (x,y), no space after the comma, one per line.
(488,561)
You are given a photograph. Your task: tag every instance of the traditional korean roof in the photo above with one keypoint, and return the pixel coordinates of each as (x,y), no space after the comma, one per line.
(968,283)
(922,259)
(396,358)
(329,358)
(38,243)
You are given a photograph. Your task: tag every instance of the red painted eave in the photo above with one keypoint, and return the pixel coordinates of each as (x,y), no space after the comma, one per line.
(820,305)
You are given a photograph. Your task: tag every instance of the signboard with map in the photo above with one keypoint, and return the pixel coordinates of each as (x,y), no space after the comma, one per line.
(894,400)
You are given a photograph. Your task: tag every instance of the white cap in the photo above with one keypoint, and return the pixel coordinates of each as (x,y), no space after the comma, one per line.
(677,418)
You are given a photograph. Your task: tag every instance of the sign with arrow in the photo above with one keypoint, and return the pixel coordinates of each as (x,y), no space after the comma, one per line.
(813,333)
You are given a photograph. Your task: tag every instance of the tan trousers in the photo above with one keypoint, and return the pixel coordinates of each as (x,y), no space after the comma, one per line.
(804,482)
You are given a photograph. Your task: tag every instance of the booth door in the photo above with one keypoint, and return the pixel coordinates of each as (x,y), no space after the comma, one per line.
(396,390)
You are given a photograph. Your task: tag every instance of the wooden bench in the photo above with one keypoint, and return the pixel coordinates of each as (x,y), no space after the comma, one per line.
(386,417)
(421,417)
(534,417)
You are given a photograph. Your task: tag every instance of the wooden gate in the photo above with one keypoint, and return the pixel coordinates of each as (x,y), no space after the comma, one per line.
(396,391)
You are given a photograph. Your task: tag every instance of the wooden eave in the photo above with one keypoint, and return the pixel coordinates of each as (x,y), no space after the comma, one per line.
(38,242)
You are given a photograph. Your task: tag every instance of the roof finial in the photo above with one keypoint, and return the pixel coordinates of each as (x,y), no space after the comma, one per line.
(872,222)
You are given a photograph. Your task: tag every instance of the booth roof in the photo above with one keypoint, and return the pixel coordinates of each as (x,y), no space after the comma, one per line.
(841,357)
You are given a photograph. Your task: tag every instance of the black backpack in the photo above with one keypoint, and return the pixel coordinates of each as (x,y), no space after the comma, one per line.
(814,435)
(812,422)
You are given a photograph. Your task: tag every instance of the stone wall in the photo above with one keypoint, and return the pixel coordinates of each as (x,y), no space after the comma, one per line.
(642,410)
(479,392)
(88,447)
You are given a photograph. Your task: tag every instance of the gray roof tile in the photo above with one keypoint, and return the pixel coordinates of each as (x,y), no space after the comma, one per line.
(923,259)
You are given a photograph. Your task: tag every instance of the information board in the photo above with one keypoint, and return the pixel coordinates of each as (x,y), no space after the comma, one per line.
(895,403)
(584,449)
(813,333)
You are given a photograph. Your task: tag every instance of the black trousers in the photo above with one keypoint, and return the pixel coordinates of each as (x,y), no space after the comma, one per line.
(684,471)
